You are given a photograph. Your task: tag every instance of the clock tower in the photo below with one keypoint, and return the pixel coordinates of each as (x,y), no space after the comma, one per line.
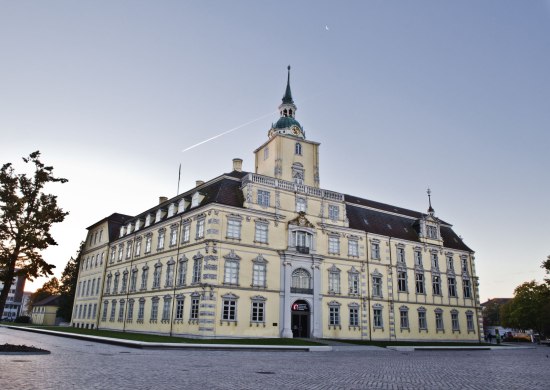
(287,155)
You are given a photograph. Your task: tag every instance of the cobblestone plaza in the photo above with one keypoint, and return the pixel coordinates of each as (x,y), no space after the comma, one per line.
(76,364)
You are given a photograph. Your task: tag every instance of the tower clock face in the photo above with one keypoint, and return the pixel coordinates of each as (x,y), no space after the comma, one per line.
(295,130)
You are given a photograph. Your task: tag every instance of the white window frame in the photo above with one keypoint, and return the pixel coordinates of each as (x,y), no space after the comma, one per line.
(263,198)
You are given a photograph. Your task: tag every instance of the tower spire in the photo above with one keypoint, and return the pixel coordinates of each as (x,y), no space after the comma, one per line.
(287,98)
(430,209)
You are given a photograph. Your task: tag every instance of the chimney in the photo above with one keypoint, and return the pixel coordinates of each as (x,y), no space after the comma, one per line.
(199,183)
(162,199)
(238,164)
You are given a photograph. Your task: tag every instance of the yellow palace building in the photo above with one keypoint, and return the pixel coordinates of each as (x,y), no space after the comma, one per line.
(272,254)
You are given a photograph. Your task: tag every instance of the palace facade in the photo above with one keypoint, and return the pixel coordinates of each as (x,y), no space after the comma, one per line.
(272,254)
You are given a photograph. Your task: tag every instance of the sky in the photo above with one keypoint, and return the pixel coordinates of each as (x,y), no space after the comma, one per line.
(401,95)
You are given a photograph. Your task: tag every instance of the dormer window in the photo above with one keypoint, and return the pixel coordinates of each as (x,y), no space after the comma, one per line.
(195,200)
(159,215)
(148,220)
(122,231)
(432,232)
(181,206)
(171,210)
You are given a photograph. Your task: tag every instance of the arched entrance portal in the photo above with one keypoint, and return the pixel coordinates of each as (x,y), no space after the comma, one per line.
(300,319)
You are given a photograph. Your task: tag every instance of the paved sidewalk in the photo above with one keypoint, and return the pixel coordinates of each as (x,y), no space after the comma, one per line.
(82,364)
(155,345)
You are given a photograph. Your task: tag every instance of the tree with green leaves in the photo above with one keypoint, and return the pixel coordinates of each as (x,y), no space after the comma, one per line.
(546,266)
(529,309)
(67,289)
(26,217)
(49,288)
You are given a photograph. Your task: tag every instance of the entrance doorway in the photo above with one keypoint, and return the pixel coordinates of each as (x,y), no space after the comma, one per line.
(300,319)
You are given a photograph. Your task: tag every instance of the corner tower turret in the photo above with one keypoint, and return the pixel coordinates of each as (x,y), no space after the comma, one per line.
(287,155)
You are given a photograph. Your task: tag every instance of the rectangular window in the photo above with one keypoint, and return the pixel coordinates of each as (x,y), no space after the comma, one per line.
(128,250)
(229,310)
(124,282)
(141,310)
(197,268)
(450,265)
(464,264)
(439,321)
(121,312)
(334,315)
(353,316)
(353,248)
(115,284)
(402,281)
(260,234)
(263,198)
(231,272)
(113,254)
(148,240)
(120,252)
(200,229)
(130,310)
(179,309)
(234,228)
(377,318)
(95,310)
(334,282)
(454,321)
(452,286)
(470,322)
(422,324)
(133,280)
(105,308)
(418,258)
(138,248)
(166,309)
(186,233)
(376,286)
(154,309)
(182,272)
(436,285)
(258,274)
(301,205)
(156,277)
(333,245)
(113,311)
(169,275)
(144,276)
(404,319)
(258,311)
(97,286)
(173,237)
(353,283)
(420,284)
(400,255)
(160,242)
(375,251)
(194,309)
(333,212)
(467,288)
(435,261)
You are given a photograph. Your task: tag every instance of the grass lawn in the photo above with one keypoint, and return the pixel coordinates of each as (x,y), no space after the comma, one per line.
(168,339)
(414,343)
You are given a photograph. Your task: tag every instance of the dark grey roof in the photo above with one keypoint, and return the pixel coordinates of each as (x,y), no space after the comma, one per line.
(52,300)
(363,214)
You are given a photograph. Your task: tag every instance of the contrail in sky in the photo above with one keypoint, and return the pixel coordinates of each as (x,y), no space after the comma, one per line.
(229,131)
